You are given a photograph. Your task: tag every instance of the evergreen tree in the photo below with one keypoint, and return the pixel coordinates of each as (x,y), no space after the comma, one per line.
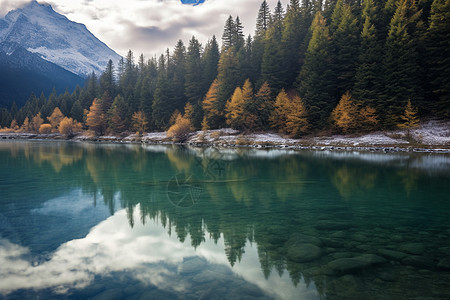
(107,80)
(438,54)
(292,41)
(229,33)
(77,111)
(400,63)
(161,107)
(273,68)
(193,82)
(177,79)
(210,62)
(346,46)
(117,115)
(263,20)
(264,106)
(238,35)
(316,83)
(368,79)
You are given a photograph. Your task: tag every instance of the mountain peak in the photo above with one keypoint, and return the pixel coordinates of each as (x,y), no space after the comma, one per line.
(41,30)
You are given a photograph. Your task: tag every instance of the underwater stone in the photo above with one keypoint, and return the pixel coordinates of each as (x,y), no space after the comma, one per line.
(304,253)
(444,264)
(350,265)
(391,254)
(413,248)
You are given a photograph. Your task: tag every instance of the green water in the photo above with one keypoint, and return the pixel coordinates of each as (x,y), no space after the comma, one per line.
(81,220)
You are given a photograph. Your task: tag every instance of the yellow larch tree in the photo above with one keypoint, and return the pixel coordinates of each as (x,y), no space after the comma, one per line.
(297,117)
(55,118)
(212,113)
(95,118)
(281,107)
(410,118)
(36,122)
(235,109)
(139,122)
(345,115)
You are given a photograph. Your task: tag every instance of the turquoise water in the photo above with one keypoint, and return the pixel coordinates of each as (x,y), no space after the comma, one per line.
(102,221)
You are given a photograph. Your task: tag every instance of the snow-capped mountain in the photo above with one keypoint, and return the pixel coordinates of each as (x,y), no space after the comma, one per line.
(39,29)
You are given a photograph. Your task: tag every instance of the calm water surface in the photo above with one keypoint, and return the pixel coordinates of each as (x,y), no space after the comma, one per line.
(81,220)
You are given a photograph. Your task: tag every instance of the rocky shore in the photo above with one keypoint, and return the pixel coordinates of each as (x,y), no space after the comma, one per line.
(431,137)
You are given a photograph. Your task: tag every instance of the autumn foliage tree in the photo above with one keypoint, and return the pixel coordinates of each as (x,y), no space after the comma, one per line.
(95,118)
(36,123)
(181,129)
(290,115)
(69,127)
(139,122)
(211,107)
(55,118)
(235,109)
(344,116)
(409,117)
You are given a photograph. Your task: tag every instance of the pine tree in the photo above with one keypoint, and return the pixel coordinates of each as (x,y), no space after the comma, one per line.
(193,83)
(316,82)
(400,63)
(229,33)
(346,45)
(264,106)
(368,79)
(117,115)
(77,111)
(292,40)
(438,54)
(263,20)
(177,76)
(107,80)
(210,62)
(273,67)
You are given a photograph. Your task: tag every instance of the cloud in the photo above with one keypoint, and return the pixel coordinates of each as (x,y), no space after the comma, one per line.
(151,26)
(7,5)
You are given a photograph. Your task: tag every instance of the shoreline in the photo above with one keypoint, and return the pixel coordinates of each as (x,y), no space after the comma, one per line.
(381,142)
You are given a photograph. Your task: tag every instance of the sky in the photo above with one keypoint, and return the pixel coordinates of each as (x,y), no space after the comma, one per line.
(151,26)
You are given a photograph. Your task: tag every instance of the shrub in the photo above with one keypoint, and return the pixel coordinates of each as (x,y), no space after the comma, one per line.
(180,130)
(45,129)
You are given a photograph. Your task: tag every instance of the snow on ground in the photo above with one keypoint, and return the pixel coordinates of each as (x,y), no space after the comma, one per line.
(433,133)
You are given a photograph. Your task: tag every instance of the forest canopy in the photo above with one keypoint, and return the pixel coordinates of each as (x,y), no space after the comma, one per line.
(345,65)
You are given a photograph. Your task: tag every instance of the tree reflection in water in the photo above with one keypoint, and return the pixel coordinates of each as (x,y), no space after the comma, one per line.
(305,214)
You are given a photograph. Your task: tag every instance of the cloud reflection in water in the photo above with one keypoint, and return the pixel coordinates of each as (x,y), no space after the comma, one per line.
(146,252)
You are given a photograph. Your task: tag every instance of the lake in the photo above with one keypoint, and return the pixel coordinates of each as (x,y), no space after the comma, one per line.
(115,221)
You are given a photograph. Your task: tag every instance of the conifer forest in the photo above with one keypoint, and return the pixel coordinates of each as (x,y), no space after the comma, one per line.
(311,66)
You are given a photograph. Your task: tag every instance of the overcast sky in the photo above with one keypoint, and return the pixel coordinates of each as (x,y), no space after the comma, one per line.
(151,26)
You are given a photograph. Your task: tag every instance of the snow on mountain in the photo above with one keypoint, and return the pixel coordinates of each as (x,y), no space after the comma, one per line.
(39,29)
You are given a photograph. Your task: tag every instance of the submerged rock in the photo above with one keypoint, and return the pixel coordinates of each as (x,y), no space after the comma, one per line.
(444,264)
(391,254)
(354,264)
(413,248)
(304,253)
(418,261)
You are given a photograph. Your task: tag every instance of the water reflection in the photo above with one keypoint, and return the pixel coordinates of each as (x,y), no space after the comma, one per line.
(271,224)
